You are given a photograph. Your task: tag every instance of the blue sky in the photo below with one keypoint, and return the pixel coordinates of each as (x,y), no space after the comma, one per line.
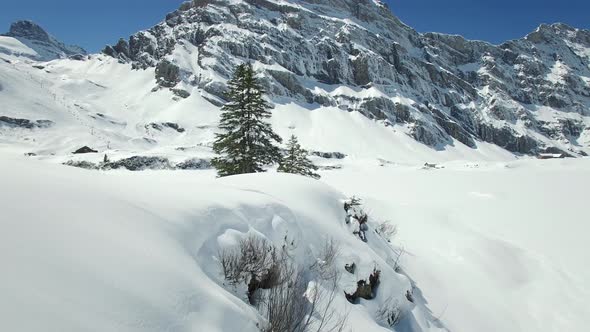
(94,23)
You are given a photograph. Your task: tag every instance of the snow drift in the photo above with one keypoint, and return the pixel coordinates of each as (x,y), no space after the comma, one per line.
(90,251)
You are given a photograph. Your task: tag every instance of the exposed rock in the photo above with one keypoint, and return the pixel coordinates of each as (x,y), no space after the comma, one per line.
(167,74)
(507,139)
(350,268)
(162,125)
(330,167)
(437,87)
(82,164)
(555,151)
(24,123)
(119,50)
(78,57)
(328,155)
(194,164)
(139,163)
(365,290)
(84,149)
(181,93)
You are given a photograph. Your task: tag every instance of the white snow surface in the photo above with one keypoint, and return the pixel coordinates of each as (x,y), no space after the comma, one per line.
(489,246)
(13,46)
(90,251)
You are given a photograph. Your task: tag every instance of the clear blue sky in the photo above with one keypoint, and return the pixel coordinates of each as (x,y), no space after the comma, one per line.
(94,23)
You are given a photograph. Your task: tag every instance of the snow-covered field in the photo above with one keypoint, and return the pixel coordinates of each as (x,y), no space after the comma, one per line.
(489,247)
(492,246)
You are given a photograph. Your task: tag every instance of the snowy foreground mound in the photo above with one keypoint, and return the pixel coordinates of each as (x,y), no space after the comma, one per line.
(88,251)
(489,247)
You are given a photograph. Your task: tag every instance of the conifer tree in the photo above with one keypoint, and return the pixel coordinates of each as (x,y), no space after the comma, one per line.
(296,160)
(246,143)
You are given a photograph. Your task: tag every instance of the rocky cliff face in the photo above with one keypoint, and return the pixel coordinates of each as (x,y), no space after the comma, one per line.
(528,96)
(46,46)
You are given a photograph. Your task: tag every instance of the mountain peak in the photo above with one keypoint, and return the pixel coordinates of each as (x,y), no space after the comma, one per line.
(29,30)
(35,37)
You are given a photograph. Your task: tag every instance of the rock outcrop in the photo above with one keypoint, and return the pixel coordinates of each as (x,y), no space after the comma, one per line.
(525,95)
(6,121)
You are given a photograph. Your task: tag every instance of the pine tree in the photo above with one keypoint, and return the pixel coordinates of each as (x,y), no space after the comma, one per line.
(296,160)
(246,143)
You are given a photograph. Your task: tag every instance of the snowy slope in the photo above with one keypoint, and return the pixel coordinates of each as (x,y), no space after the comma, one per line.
(90,251)
(489,246)
(111,108)
(13,46)
(493,246)
(45,46)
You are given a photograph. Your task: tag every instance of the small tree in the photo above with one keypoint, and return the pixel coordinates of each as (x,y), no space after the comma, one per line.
(246,143)
(296,160)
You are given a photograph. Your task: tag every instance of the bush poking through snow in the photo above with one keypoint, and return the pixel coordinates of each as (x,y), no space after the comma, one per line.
(254,261)
(396,264)
(353,202)
(297,307)
(354,211)
(390,313)
(324,266)
(281,290)
(387,230)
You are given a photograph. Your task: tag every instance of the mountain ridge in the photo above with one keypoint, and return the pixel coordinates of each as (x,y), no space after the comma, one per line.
(362,44)
(45,45)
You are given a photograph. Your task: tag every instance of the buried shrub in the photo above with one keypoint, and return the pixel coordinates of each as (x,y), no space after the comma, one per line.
(387,230)
(324,266)
(355,212)
(283,292)
(254,261)
(390,313)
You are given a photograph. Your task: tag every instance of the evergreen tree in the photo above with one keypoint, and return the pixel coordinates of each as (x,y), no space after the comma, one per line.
(246,143)
(296,160)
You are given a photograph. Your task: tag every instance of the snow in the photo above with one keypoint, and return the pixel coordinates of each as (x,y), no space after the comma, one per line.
(136,251)
(92,106)
(115,251)
(492,246)
(558,73)
(493,241)
(13,46)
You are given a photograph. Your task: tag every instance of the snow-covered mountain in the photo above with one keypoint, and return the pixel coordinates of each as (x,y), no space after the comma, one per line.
(45,47)
(411,95)
(528,96)
(488,239)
